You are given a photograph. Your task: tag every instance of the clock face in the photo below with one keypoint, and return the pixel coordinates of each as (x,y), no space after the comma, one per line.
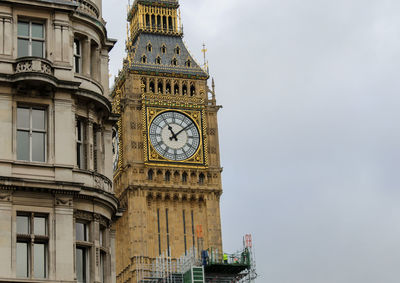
(174,135)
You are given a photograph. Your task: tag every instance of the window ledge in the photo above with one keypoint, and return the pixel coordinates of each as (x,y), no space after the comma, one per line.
(84,244)
(33,163)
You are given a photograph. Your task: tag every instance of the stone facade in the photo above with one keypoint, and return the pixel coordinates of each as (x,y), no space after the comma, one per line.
(56,198)
(170,203)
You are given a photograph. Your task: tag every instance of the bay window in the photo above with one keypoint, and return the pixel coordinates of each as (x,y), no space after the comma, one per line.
(82,252)
(80,144)
(31,39)
(31,134)
(77,56)
(32,245)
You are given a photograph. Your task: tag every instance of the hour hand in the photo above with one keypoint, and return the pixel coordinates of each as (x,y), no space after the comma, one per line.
(173,134)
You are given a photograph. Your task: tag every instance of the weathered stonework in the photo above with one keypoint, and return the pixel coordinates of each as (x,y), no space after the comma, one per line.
(166,204)
(67,87)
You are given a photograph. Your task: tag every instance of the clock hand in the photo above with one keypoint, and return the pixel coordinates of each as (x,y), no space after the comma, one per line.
(182,130)
(173,134)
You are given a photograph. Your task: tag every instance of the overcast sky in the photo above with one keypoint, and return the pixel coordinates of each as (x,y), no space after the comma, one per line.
(309,131)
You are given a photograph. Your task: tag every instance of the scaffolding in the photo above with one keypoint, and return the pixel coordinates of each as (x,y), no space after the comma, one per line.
(207,266)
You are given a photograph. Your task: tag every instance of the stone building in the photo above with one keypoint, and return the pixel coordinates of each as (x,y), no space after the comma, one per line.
(56,197)
(167,161)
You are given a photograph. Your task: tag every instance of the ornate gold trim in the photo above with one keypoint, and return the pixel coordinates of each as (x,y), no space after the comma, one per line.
(197,114)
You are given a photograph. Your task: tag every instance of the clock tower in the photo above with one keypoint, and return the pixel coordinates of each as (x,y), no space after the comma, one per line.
(167,172)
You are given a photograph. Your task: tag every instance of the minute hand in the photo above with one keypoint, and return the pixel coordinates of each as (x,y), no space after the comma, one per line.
(188,126)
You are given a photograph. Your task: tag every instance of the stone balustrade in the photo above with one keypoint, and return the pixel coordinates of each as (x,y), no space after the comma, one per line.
(87,7)
(33,65)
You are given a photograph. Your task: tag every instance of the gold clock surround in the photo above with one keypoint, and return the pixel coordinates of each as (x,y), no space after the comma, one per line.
(199,159)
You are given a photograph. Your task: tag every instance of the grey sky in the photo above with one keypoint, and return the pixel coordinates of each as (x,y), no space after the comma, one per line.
(309,131)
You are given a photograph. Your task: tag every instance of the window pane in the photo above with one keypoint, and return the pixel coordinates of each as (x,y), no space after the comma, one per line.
(38,119)
(80,265)
(81,232)
(37,48)
(39,264)
(23,145)
(77,64)
(77,48)
(102,273)
(78,155)
(39,226)
(37,30)
(38,147)
(101,237)
(22,224)
(79,130)
(22,260)
(23,118)
(23,47)
(23,29)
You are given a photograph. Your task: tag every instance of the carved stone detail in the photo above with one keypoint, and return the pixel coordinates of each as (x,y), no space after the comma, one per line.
(102,183)
(33,65)
(83,215)
(64,201)
(5,197)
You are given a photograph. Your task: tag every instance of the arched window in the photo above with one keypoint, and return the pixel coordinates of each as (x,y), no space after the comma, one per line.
(188,63)
(167,176)
(164,20)
(184,177)
(158,60)
(171,28)
(184,89)
(176,89)
(150,175)
(201,179)
(151,86)
(163,49)
(153,21)
(168,88)
(160,87)
(192,90)
(174,62)
(159,22)
(144,59)
(147,20)
(178,50)
(149,47)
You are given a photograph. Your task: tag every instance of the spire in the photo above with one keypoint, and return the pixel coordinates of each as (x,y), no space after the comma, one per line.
(155,40)
(205,66)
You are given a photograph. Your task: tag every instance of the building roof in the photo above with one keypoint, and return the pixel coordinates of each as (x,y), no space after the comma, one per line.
(157,61)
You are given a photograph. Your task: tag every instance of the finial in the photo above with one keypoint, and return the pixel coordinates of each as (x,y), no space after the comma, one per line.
(213,88)
(204,50)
